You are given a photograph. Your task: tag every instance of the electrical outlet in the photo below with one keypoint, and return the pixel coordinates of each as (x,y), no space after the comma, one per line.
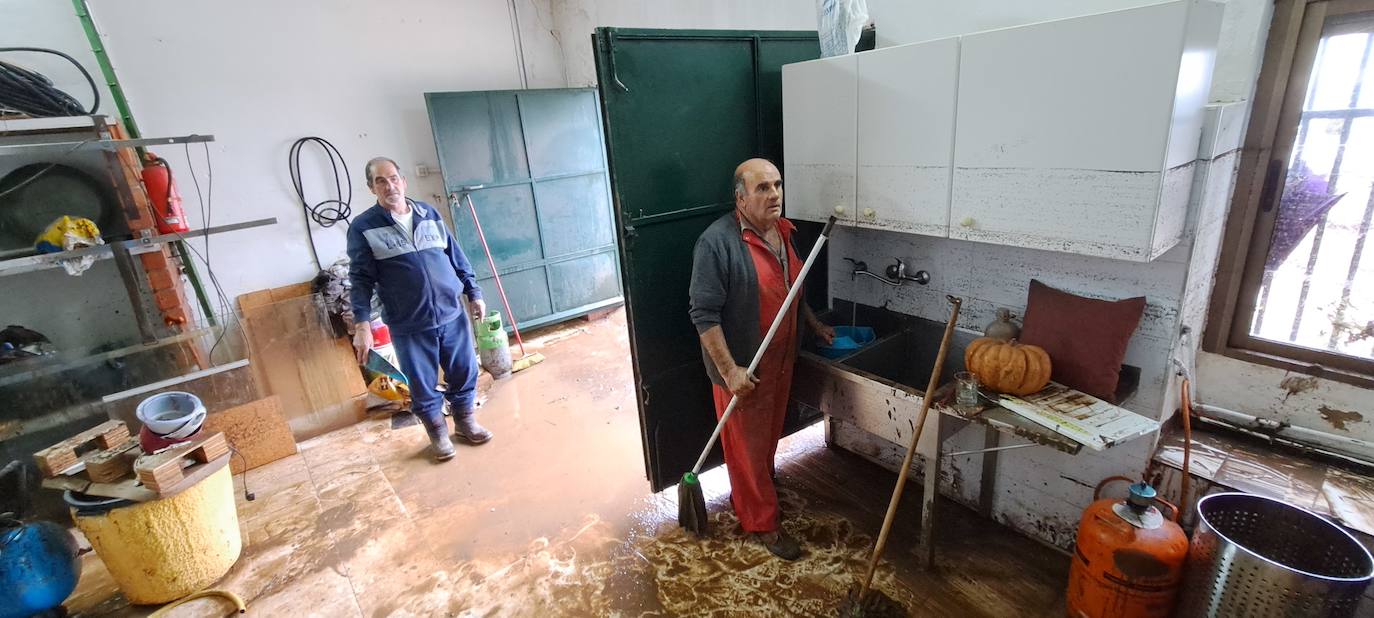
(421,170)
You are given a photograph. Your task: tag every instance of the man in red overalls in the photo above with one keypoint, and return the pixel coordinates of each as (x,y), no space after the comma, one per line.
(742,267)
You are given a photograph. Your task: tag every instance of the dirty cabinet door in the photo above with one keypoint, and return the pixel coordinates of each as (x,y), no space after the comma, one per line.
(682,108)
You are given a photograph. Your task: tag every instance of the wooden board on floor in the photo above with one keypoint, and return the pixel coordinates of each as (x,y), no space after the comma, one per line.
(297,358)
(258,431)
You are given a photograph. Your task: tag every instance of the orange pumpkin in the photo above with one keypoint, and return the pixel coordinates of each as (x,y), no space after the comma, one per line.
(1007,366)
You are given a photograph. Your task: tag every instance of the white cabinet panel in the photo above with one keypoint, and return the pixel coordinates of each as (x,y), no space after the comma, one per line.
(819,114)
(1072,134)
(906,136)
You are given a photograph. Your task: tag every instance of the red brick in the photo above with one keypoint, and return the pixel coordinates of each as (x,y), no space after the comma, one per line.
(155,261)
(162,279)
(167,299)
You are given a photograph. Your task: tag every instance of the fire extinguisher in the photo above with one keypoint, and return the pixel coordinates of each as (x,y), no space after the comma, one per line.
(162,191)
(1128,559)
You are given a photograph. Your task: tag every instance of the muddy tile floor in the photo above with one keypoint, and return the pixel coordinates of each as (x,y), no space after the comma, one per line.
(554,518)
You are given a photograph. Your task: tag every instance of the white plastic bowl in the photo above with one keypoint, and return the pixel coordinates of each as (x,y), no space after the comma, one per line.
(173,414)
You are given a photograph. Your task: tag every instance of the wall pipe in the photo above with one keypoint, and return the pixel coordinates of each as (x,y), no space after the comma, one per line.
(1352,448)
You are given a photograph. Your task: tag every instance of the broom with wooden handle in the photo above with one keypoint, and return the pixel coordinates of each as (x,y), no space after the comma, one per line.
(868,602)
(691,503)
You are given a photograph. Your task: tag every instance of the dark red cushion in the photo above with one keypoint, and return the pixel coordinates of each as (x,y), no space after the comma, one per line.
(1086,338)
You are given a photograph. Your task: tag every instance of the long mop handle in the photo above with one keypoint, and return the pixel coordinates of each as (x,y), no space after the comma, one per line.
(911,449)
(767,339)
(477,223)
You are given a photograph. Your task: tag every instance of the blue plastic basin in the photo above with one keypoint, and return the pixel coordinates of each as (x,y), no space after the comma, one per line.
(847,340)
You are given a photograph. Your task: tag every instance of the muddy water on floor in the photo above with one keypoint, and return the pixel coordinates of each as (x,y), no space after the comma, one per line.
(658,569)
(551,519)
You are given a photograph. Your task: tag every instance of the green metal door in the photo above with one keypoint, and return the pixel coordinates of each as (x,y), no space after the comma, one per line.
(682,108)
(534,163)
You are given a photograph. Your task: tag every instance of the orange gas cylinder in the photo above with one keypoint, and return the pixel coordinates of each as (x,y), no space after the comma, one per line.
(1128,559)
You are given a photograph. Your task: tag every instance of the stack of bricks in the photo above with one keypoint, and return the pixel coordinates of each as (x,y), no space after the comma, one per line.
(164,275)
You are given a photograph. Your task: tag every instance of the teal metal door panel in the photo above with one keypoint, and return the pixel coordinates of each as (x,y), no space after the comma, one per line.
(527,290)
(511,225)
(487,146)
(682,108)
(583,281)
(533,163)
(562,138)
(570,227)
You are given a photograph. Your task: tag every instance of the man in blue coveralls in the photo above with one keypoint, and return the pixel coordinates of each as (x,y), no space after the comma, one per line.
(402,249)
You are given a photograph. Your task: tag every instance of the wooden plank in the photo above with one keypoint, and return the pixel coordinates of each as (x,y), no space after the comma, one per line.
(111,465)
(294,290)
(128,489)
(257,430)
(164,470)
(193,475)
(254,300)
(58,457)
(297,358)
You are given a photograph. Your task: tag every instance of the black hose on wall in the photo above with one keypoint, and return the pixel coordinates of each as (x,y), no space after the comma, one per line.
(32,93)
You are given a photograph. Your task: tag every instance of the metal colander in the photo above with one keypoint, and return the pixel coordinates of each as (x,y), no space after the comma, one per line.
(1255,556)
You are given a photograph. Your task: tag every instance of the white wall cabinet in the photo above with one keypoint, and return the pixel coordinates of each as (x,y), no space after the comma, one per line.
(906,136)
(819,112)
(1076,135)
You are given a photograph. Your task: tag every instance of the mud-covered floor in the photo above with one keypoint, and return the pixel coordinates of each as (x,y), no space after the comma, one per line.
(553,518)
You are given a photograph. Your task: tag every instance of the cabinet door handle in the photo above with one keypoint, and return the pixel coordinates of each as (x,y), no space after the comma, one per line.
(967,222)
(839,209)
(868,213)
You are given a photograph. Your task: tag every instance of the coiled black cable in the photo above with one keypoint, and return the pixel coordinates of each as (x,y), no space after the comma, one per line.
(324,213)
(32,93)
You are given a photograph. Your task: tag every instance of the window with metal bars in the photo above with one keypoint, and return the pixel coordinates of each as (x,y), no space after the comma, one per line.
(1301,290)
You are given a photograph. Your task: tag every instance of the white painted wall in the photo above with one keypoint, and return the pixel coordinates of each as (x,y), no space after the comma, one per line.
(258,75)
(352,72)
(576,19)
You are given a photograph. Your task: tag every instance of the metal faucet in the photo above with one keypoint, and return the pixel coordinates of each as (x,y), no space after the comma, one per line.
(861,268)
(897,272)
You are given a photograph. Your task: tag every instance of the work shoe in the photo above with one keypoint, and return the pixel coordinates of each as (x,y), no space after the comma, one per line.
(465,428)
(780,544)
(439,443)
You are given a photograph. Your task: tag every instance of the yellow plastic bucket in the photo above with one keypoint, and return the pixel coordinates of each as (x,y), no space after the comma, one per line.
(163,550)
